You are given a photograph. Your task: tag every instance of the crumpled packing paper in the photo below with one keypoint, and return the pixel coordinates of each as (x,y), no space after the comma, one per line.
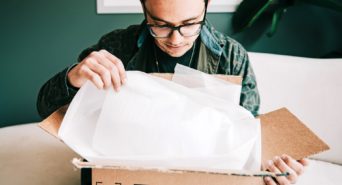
(192,122)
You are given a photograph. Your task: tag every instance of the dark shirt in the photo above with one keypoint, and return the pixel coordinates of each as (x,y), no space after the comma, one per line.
(167,63)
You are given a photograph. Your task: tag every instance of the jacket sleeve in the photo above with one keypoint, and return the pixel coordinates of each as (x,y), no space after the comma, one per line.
(55,93)
(249,98)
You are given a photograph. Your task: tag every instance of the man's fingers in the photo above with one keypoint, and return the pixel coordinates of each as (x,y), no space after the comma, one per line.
(99,70)
(293,164)
(269,181)
(103,60)
(92,76)
(283,164)
(116,79)
(304,162)
(100,67)
(283,167)
(117,62)
(113,65)
(281,179)
(112,68)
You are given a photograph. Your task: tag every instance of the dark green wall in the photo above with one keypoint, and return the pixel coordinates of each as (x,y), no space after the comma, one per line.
(39,38)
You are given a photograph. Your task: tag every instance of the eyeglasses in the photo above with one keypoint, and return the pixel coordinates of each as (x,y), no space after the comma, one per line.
(165,31)
(186,30)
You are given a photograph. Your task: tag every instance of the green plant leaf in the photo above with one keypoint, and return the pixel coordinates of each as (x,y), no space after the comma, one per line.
(275,21)
(249,11)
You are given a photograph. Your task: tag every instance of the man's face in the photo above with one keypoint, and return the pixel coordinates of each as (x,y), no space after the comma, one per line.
(174,13)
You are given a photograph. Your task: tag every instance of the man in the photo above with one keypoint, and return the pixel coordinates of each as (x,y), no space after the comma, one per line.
(174,31)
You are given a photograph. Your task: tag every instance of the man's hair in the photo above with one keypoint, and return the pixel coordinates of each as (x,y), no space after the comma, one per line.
(205,5)
(205,2)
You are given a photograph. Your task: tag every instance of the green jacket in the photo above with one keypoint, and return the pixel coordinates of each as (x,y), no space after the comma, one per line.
(218,54)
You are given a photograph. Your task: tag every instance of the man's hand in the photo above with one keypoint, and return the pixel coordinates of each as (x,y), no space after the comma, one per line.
(282,164)
(100,67)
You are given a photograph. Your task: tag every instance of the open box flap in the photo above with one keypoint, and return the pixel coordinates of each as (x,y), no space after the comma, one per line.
(52,123)
(283,133)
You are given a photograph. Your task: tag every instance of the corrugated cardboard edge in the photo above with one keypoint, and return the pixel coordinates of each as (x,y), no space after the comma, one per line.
(80,164)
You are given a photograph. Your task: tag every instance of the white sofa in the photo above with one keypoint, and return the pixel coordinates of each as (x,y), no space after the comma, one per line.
(310,88)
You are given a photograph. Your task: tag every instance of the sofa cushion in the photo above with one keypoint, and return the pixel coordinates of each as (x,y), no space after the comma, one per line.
(320,172)
(30,156)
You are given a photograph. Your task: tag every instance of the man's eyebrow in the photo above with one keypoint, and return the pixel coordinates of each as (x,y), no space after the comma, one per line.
(159,19)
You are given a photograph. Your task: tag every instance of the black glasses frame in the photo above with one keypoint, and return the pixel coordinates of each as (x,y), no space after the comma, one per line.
(174,28)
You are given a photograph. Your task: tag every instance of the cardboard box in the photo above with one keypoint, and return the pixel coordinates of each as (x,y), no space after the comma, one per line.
(282,133)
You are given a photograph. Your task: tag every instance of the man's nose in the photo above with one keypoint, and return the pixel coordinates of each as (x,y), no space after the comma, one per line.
(175,37)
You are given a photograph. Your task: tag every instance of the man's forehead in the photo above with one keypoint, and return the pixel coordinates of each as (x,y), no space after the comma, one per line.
(174,11)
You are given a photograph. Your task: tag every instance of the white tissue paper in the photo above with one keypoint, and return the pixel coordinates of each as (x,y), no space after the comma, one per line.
(207,84)
(186,123)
